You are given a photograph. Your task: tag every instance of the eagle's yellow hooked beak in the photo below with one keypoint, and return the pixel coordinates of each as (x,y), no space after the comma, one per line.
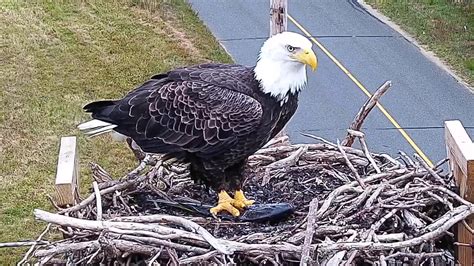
(307,56)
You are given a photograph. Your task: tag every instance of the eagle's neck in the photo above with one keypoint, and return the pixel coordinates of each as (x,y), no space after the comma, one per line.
(280,78)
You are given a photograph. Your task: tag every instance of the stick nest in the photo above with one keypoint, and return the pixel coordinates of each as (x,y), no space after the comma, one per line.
(352,206)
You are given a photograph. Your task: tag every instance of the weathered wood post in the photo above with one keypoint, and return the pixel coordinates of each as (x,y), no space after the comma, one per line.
(278,16)
(460,149)
(278,24)
(67,175)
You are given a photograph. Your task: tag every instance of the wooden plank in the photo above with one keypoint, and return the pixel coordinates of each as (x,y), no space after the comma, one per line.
(460,150)
(460,146)
(67,174)
(278,16)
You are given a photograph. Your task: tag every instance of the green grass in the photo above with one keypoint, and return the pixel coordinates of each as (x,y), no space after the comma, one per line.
(444,27)
(55,57)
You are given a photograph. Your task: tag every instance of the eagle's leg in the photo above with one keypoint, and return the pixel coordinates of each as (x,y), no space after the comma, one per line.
(240,201)
(225,203)
(139,154)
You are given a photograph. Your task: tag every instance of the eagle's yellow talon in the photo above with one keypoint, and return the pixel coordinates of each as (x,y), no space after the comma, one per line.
(240,201)
(225,203)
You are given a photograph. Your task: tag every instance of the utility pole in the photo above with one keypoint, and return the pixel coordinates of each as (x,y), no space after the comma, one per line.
(278,16)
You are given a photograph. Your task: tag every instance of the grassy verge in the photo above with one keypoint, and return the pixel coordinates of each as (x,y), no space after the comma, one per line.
(57,57)
(444,27)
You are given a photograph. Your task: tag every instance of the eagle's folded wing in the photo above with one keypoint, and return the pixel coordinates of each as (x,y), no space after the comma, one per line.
(195,116)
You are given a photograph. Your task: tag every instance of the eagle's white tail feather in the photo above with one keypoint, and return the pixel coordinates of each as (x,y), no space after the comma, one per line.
(96,127)
(93,124)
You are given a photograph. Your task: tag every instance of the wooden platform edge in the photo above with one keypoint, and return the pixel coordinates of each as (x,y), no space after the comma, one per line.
(460,151)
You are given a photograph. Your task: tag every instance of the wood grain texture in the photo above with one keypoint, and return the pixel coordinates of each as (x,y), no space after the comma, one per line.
(278,16)
(460,150)
(67,174)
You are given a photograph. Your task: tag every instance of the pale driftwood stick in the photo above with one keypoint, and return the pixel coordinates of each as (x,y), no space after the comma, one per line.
(351,166)
(99,174)
(198,259)
(89,261)
(367,153)
(310,226)
(364,111)
(323,140)
(414,255)
(322,231)
(412,221)
(160,242)
(276,150)
(143,233)
(372,178)
(190,225)
(452,194)
(429,169)
(370,201)
(444,219)
(283,163)
(366,237)
(134,247)
(202,234)
(106,225)
(30,250)
(119,186)
(382,260)
(288,161)
(98,200)
(157,255)
(333,156)
(274,141)
(407,243)
(63,248)
(260,157)
(22,244)
(143,163)
(196,228)
(392,237)
(337,258)
(379,223)
(390,159)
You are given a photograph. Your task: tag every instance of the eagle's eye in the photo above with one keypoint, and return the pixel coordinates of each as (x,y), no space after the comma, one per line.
(290,48)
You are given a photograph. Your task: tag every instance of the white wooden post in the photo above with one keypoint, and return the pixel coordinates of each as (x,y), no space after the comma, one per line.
(67,175)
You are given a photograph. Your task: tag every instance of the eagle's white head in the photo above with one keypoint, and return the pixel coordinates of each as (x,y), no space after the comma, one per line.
(281,66)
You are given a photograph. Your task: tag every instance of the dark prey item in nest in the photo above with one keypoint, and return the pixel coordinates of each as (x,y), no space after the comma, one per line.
(260,213)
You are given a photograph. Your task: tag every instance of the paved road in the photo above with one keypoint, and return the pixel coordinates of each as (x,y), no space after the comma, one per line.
(422,95)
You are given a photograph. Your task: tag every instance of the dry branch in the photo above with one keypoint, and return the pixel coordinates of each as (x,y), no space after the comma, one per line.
(364,111)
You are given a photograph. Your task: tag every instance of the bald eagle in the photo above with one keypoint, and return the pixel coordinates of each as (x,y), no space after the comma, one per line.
(213,115)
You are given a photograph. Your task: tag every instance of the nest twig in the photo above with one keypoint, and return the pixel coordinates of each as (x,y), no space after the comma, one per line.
(404,212)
